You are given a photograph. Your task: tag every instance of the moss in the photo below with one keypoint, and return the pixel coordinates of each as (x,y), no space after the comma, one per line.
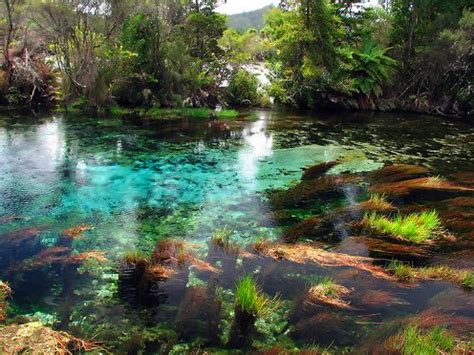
(414,340)
(415,227)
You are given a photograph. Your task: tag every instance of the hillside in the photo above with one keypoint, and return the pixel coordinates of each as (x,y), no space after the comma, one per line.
(246,20)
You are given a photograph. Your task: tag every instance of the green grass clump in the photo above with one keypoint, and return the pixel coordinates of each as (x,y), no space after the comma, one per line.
(249,298)
(466,279)
(327,287)
(198,113)
(134,257)
(400,270)
(415,227)
(221,237)
(227,113)
(118,111)
(415,341)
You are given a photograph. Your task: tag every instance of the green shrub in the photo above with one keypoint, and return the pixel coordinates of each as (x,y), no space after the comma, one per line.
(243,89)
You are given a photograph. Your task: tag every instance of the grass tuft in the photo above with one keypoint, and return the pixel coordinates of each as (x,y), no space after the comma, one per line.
(249,298)
(328,292)
(380,202)
(134,257)
(415,227)
(221,237)
(431,342)
(464,278)
(401,270)
(198,113)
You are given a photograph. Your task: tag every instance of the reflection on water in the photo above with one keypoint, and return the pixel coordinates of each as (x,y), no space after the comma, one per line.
(135,184)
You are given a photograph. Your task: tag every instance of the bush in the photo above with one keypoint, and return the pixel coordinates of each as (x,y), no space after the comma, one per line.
(243,89)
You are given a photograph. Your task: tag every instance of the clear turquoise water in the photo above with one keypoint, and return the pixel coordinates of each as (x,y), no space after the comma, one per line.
(136,183)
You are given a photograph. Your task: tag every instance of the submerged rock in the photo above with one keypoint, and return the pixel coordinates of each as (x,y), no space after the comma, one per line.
(35,338)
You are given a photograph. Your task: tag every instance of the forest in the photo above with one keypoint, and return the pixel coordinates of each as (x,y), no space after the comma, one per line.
(413,55)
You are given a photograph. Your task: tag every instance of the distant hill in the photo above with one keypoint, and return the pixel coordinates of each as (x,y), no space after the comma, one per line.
(251,19)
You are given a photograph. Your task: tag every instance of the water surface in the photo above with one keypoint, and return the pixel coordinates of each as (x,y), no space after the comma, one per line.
(134,183)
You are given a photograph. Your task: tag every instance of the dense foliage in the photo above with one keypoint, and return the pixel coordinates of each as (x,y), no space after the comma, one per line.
(413,55)
(416,55)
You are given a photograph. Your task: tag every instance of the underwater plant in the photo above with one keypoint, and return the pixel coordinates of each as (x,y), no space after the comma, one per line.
(221,237)
(400,270)
(328,292)
(415,227)
(250,304)
(464,278)
(379,202)
(414,340)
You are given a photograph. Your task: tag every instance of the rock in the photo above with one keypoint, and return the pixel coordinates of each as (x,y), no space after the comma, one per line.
(35,338)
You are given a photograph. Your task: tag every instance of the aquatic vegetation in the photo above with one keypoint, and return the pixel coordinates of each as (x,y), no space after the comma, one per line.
(326,291)
(400,270)
(5,292)
(377,202)
(398,172)
(424,188)
(250,304)
(76,232)
(119,111)
(415,227)
(325,328)
(198,113)
(316,171)
(464,278)
(221,237)
(414,340)
(134,257)
(311,191)
(249,298)
(30,337)
(312,253)
(260,244)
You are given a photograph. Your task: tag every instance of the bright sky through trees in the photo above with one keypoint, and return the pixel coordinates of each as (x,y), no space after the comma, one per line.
(238,6)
